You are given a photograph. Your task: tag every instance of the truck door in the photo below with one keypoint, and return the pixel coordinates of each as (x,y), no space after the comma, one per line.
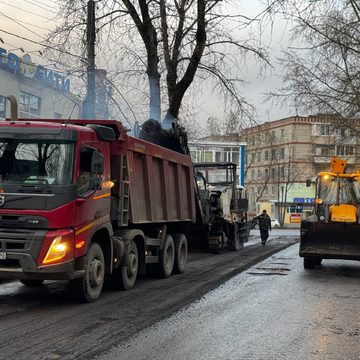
(93,203)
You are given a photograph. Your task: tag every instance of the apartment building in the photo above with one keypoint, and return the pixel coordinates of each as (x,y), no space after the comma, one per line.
(282,154)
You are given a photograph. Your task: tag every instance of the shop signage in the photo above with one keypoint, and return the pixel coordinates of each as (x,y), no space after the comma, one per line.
(304,200)
(24,67)
(295,218)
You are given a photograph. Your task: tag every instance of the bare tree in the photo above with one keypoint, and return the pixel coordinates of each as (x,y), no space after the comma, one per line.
(322,67)
(174,40)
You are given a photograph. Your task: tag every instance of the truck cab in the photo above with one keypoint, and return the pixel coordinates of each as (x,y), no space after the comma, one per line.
(53,199)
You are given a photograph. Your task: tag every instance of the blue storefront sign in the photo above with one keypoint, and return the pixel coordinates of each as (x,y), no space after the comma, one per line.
(24,67)
(304,200)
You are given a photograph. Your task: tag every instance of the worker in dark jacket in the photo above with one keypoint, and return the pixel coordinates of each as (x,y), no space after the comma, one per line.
(264,226)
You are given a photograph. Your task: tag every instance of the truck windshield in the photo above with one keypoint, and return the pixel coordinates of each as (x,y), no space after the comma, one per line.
(348,190)
(36,162)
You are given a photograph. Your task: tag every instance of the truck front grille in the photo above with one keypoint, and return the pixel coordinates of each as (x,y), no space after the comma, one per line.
(10,264)
(18,245)
(21,240)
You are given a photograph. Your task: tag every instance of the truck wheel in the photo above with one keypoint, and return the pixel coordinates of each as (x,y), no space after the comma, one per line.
(124,277)
(309,263)
(181,252)
(167,258)
(32,283)
(318,261)
(88,288)
(218,243)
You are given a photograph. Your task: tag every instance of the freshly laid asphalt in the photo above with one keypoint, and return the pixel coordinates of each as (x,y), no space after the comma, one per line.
(47,323)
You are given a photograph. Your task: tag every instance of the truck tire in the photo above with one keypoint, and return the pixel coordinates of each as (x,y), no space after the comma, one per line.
(88,288)
(124,277)
(218,243)
(167,258)
(309,263)
(318,261)
(32,283)
(181,252)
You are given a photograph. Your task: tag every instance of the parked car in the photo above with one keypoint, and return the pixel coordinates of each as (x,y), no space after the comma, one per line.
(255,224)
(275,223)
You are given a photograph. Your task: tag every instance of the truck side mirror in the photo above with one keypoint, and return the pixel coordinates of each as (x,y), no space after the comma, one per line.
(308,182)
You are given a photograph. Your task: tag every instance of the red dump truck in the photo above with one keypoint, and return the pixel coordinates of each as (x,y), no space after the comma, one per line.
(81,200)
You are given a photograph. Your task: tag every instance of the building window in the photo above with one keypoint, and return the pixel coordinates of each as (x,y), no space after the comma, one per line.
(259,173)
(206,156)
(253,157)
(266,173)
(259,156)
(345,150)
(291,209)
(227,156)
(2,107)
(324,150)
(282,153)
(273,173)
(217,156)
(324,130)
(273,154)
(282,172)
(266,155)
(235,157)
(282,133)
(253,174)
(30,105)
(341,132)
(273,191)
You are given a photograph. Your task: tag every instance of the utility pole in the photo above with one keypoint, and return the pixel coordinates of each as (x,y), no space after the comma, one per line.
(89,103)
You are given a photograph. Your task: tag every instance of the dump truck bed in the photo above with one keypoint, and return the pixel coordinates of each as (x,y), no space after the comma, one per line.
(160,182)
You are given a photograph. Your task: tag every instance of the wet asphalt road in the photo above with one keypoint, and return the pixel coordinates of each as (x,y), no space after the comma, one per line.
(273,310)
(46,323)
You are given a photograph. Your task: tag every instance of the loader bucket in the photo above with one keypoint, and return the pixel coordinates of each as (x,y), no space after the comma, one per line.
(332,240)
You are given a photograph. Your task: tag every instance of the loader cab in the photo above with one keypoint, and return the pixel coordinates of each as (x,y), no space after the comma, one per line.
(337,197)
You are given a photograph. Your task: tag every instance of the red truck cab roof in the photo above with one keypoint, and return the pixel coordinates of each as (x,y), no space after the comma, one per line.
(72,124)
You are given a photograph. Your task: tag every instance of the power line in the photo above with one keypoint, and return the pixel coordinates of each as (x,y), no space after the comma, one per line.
(47,5)
(45,46)
(28,11)
(41,7)
(27,23)
(18,23)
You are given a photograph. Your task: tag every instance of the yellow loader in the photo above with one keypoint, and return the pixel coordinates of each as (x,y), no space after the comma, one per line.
(333,230)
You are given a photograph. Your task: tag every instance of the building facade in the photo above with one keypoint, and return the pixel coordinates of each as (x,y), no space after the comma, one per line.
(41,93)
(283,154)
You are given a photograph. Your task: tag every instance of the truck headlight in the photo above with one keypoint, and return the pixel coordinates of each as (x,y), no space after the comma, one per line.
(60,248)
(56,252)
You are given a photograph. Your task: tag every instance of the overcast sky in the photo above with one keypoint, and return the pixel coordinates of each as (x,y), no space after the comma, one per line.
(37,17)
